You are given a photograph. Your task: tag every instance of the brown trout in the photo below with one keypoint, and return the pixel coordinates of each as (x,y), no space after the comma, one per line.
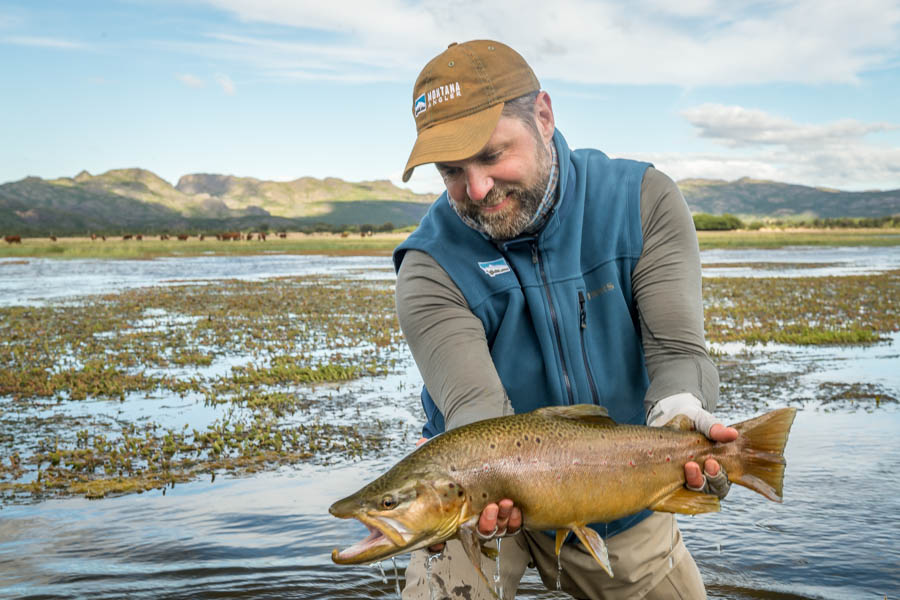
(564,467)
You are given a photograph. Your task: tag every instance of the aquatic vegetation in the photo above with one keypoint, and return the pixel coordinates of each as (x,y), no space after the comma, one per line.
(257,349)
(268,365)
(858,309)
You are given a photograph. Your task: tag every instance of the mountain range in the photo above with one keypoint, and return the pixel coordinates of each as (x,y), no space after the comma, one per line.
(134,200)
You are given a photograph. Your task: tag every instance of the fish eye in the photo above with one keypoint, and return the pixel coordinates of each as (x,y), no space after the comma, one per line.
(388,502)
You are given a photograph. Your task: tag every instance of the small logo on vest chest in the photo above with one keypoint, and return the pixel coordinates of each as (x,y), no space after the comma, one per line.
(495,267)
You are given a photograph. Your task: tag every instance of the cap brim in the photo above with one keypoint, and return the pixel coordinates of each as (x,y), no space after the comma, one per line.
(453,140)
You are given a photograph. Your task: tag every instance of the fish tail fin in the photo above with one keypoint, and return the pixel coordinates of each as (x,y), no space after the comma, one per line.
(762,460)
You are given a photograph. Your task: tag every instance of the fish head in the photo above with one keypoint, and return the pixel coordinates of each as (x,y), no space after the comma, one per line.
(416,511)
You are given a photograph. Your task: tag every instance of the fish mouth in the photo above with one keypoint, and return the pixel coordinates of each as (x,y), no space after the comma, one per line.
(386,538)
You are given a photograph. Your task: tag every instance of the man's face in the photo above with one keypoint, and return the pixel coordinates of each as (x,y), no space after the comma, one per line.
(501,187)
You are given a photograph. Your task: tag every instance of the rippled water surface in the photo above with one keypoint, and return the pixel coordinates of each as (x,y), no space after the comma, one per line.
(270,536)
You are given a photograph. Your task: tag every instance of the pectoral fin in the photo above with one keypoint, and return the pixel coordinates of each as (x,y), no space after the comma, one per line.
(472,545)
(595,544)
(561,535)
(686,502)
(680,423)
(588,413)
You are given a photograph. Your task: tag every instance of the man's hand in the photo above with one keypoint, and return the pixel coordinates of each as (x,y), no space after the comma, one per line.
(497,520)
(712,479)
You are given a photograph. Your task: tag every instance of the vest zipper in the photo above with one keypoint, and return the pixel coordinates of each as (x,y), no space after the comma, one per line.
(536,259)
(583,321)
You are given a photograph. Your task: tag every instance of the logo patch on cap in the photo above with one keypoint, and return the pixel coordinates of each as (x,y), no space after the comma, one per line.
(420,105)
(495,267)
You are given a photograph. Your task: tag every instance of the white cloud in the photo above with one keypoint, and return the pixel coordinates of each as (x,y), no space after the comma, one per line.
(425,180)
(696,42)
(738,126)
(41,42)
(226,84)
(765,146)
(190,80)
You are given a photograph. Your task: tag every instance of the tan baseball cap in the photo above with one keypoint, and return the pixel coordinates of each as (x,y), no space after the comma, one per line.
(458,98)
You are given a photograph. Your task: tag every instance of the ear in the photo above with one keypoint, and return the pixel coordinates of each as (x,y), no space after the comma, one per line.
(543,114)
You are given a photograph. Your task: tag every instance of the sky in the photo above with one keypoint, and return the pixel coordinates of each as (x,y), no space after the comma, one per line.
(797,91)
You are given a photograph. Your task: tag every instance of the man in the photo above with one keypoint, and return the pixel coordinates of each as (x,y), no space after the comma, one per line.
(544,276)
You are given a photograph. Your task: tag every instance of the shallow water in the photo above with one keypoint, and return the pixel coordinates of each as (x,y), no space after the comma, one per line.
(25,281)
(798,261)
(270,536)
(30,280)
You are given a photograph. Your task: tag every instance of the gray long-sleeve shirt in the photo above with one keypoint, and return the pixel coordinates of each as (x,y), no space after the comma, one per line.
(450,348)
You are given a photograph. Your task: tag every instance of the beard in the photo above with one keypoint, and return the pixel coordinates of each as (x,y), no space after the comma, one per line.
(524,201)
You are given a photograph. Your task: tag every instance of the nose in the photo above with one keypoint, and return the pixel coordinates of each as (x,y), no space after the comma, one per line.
(478,183)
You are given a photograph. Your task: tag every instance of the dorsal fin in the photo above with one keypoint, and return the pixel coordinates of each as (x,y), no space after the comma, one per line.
(590,413)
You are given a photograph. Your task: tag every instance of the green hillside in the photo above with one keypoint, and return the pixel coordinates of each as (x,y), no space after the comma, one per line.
(304,197)
(758,198)
(136,200)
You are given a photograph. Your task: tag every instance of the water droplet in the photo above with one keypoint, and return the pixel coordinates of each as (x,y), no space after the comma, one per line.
(429,565)
(559,570)
(498,589)
(396,578)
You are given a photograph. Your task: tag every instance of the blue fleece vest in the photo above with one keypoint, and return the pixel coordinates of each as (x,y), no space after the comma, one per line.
(557,308)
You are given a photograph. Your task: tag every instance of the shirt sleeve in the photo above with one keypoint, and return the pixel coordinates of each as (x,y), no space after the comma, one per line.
(448,343)
(667,289)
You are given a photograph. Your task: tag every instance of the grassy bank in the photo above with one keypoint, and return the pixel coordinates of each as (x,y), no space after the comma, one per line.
(117,248)
(779,238)
(381,244)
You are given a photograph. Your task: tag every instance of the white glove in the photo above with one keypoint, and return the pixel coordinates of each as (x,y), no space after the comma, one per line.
(689,405)
(681,404)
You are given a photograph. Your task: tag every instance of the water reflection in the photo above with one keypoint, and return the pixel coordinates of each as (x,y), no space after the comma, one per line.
(37,279)
(26,281)
(799,261)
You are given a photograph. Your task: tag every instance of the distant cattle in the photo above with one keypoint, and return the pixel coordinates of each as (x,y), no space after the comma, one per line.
(261,236)
(52,238)
(202,237)
(345,234)
(103,237)
(127,236)
(13,239)
(163,237)
(183,236)
(230,235)
(93,236)
(139,237)
(282,234)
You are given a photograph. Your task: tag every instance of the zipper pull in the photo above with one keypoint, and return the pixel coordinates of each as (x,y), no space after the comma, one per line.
(534,253)
(582,312)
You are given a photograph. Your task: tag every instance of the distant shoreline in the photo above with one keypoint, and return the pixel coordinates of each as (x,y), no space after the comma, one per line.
(382,244)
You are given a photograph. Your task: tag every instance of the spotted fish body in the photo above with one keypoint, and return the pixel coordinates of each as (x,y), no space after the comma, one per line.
(564,467)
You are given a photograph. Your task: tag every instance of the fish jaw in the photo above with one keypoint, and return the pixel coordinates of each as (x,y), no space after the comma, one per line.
(428,518)
(386,538)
